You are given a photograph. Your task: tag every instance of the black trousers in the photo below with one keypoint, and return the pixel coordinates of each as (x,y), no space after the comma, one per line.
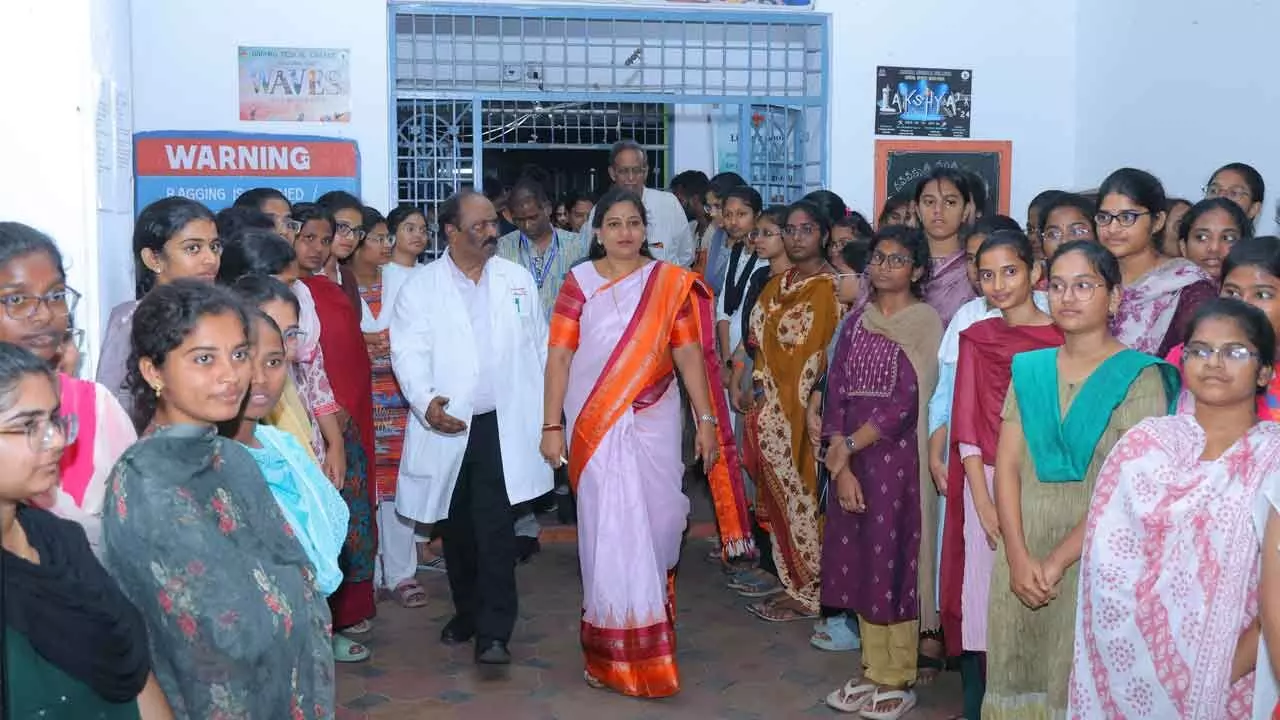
(479,539)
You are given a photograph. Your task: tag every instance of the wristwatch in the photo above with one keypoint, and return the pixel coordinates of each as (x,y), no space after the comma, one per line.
(848,442)
(709,419)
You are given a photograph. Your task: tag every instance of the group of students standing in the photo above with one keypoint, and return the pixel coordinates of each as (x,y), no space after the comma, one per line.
(174,530)
(943,437)
(1040,454)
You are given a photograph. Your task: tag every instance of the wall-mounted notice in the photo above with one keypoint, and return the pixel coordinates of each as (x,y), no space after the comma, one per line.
(901,163)
(215,168)
(295,84)
(923,102)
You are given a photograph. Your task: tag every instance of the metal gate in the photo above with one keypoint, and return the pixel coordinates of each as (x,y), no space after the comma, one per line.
(467,78)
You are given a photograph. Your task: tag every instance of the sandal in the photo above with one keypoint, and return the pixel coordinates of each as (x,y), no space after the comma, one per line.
(346,650)
(906,701)
(361,628)
(836,636)
(761,588)
(852,697)
(776,612)
(928,667)
(592,682)
(410,594)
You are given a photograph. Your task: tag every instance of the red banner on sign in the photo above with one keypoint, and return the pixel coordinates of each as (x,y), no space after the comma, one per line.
(203,156)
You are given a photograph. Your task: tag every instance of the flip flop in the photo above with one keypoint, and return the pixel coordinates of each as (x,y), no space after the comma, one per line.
(853,697)
(907,700)
(768,613)
(346,650)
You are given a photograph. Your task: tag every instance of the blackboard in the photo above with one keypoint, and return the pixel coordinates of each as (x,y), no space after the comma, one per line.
(901,163)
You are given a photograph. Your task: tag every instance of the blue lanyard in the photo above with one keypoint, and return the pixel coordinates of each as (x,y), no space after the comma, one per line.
(526,254)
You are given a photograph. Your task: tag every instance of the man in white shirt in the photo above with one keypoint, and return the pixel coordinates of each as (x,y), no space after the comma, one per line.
(469,348)
(669,236)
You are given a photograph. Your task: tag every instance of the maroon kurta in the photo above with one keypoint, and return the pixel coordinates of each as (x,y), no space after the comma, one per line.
(869,559)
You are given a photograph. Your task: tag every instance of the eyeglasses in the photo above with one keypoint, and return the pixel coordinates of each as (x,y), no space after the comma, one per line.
(75,338)
(1082,289)
(288,225)
(349,231)
(41,432)
(639,171)
(20,306)
(1075,232)
(757,234)
(384,240)
(1231,353)
(712,208)
(893,261)
(294,335)
(1126,218)
(1234,193)
(805,229)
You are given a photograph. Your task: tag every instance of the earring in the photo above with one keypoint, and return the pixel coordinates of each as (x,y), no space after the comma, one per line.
(158,388)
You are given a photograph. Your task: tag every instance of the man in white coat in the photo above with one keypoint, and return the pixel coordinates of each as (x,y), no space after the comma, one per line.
(668,233)
(469,346)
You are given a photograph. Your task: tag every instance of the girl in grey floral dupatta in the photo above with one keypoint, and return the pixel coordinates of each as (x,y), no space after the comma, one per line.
(194,536)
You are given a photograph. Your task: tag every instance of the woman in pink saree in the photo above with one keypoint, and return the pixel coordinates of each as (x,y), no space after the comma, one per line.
(623,326)
(1167,625)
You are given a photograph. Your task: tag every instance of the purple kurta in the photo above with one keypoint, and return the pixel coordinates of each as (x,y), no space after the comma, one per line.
(948,287)
(869,559)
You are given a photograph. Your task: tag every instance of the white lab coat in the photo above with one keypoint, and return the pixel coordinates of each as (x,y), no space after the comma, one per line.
(433,354)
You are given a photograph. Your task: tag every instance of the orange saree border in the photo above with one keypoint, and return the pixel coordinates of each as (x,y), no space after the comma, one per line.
(641,361)
(640,662)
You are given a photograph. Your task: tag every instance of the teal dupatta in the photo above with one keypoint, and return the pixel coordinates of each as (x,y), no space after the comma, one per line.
(1062,447)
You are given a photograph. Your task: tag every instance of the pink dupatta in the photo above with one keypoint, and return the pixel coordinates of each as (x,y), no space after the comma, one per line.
(1169,575)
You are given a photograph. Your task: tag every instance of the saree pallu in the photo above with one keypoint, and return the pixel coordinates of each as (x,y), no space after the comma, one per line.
(623,423)
(1169,575)
(791,325)
(349,372)
(1149,305)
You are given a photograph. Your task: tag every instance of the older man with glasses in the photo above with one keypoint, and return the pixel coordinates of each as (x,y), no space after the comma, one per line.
(669,237)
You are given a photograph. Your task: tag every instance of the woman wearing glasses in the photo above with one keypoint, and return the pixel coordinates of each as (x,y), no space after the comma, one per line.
(74,646)
(1160,294)
(1065,217)
(173,238)
(397,563)
(880,506)
(793,321)
(1241,184)
(1167,624)
(38,307)
(1065,409)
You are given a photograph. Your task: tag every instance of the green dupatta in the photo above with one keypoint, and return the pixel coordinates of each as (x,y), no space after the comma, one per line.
(1062,447)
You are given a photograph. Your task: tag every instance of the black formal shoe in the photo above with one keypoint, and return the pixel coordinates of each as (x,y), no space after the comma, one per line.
(526,548)
(457,631)
(493,652)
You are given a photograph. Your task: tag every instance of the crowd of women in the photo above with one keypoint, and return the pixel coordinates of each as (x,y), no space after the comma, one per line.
(1037,455)
(1040,454)
(195,534)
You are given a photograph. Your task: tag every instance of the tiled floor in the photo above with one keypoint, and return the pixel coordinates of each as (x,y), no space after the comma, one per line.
(732,666)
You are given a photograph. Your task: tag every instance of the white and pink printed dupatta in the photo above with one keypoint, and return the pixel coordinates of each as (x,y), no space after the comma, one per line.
(1147,306)
(1169,575)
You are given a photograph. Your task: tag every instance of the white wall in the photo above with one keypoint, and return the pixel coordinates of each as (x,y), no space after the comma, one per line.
(1178,89)
(185,68)
(1019,51)
(50,142)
